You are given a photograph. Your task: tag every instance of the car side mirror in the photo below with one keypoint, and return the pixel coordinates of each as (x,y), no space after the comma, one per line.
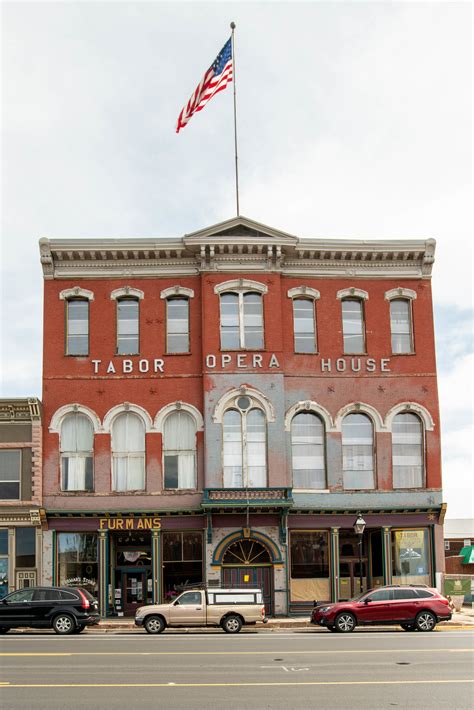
(176,603)
(367,600)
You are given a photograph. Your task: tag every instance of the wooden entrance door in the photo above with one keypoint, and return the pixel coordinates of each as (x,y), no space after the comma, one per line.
(133,591)
(261,577)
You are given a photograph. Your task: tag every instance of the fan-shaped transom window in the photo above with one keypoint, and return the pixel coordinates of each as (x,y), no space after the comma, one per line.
(407,451)
(77,444)
(128,453)
(246,552)
(308,451)
(245,447)
(241,321)
(179,450)
(358,452)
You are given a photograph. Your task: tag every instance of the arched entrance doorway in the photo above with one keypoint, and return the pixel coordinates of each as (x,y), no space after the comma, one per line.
(247,563)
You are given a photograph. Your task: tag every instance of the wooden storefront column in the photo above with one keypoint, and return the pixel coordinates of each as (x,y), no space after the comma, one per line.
(103,573)
(387,554)
(334,564)
(156,565)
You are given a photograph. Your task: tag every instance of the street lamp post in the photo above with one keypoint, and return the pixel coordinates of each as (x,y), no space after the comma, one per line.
(359,527)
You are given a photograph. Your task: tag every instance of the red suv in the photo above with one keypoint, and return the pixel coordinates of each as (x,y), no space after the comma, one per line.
(414,608)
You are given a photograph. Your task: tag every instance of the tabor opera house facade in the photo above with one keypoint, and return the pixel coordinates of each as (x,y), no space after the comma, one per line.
(219,408)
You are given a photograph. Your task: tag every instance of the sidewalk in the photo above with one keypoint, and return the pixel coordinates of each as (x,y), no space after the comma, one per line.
(460,620)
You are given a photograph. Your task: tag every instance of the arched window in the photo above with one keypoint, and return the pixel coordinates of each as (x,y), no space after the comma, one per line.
(77,444)
(177,324)
(307,449)
(179,451)
(77,326)
(128,340)
(353,327)
(407,451)
(241,321)
(128,452)
(358,452)
(401,326)
(304,325)
(245,446)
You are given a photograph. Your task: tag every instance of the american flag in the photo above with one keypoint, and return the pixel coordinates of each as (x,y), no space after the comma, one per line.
(214,80)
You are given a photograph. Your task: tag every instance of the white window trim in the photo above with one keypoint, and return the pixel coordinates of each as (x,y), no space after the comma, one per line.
(242,343)
(240,286)
(410,407)
(178,406)
(304,292)
(309,406)
(76,292)
(400,293)
(177,291)
(352,292)
(126,292)
(127,407)
(227,401)
(360,408)
(75,408)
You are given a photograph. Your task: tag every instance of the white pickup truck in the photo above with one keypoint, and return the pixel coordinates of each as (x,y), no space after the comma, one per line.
(228,608)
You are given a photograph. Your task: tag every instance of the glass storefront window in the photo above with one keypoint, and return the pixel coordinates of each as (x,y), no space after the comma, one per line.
(77,560)
(410,557)
(25,547)
(182,561)
(309,566)
(3,563)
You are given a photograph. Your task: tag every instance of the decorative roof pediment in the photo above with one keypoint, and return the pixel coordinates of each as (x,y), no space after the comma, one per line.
(239,229)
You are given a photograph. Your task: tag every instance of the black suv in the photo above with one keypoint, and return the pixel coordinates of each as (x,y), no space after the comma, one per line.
(68,610)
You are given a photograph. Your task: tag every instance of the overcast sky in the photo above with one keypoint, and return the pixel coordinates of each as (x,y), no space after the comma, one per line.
(354,121)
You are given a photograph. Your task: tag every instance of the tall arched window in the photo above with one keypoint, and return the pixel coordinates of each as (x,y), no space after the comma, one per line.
(128,326)
(353,327)
(128,453)
(245,446)
(358,452)
(77,445)
(304,325)
(241,321)
(179,450)
(401,326)
(307,449)
(407,451)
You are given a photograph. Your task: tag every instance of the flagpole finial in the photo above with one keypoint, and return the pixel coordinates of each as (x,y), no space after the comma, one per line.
(232,25)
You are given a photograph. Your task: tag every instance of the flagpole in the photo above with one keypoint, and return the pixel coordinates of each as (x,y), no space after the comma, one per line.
(232,25)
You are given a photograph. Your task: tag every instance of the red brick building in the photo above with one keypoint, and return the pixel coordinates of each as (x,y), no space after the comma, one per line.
(219,407)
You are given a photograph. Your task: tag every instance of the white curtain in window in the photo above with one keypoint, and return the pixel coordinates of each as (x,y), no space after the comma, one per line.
(256,449)
(358,452)
(307,445)
(77,443)
(180,440)
(128,449)
(407,451)
(400,324)
(232,426)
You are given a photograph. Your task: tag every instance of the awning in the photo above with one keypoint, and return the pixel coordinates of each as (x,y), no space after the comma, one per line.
(467,553)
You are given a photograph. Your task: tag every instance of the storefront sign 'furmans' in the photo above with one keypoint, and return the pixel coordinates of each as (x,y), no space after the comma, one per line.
(242,361)
(142,523)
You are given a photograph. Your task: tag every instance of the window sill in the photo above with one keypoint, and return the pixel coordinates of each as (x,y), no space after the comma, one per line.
(403,354)
(179,491)
(177,354)
(311,490)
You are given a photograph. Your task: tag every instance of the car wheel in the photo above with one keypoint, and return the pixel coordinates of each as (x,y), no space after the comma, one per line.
(4,630)
(232,624)
(408,627)
(64,624)
(425,621)
(78,629)
(154,625)
(345,622)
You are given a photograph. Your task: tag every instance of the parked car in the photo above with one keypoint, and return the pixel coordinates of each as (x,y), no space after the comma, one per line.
(415,608)
(67,610)
(228,608)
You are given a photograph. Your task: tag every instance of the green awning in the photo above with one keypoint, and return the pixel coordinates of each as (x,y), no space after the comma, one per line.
(468,554)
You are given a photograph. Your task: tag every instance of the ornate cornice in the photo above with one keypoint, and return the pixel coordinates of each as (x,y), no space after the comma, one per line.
(236,245)
(20,410)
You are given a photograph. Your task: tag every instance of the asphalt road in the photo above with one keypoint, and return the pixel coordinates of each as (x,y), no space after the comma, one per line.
(297,669)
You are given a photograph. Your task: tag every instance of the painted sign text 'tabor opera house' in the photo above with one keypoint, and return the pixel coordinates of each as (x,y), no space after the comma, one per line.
(219,407)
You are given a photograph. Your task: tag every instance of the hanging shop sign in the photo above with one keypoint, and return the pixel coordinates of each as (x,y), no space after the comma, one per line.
(129,523)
